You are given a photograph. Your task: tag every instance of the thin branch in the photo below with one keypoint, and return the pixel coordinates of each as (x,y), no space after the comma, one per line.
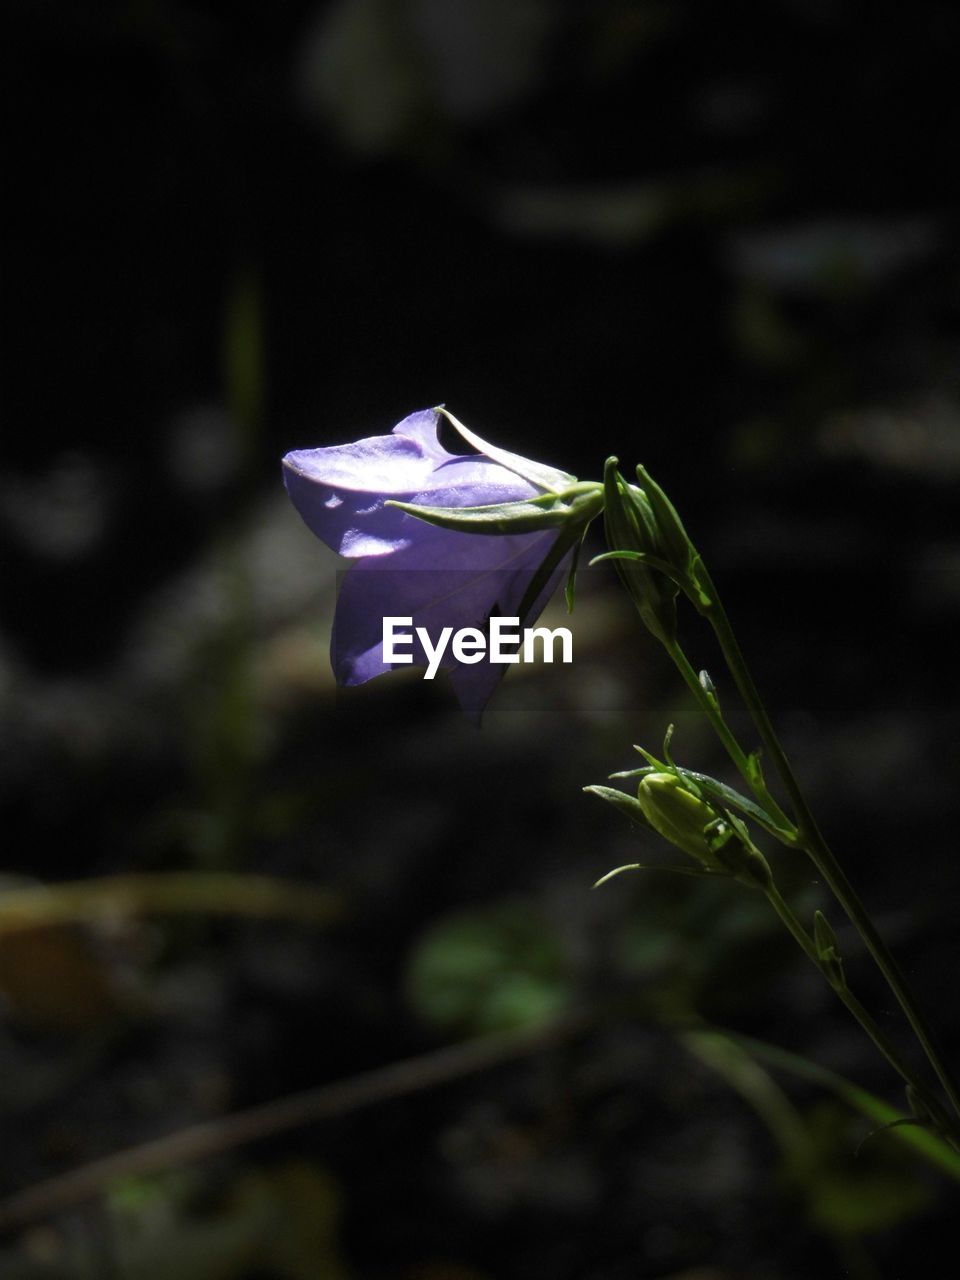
(213,1137)
(166,893)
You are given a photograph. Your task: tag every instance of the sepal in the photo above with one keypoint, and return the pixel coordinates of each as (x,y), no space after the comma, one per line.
(628,805)
(575,506)
(551,479)
(632,540)
(701,872)
(677,548)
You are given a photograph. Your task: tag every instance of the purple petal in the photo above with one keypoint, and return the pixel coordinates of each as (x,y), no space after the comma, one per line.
(421,427)
(475,685)
(340,492)
(474,577)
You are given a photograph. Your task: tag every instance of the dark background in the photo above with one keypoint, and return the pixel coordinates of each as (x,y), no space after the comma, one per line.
(717,239)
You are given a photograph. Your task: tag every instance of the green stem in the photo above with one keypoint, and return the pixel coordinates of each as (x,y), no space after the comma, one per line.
(736,753)
(846,996)
(817,848)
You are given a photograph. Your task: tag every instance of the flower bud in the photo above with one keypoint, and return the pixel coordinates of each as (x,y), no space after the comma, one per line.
(679,816)
(715,839)
(672,538)
(631,529)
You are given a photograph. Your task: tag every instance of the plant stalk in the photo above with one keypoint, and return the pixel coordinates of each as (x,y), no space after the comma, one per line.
(847,998)
(817,849)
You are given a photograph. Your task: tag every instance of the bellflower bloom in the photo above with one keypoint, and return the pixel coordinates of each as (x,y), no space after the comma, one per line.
(438,576)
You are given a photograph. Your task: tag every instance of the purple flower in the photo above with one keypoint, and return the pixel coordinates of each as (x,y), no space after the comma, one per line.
(406,567)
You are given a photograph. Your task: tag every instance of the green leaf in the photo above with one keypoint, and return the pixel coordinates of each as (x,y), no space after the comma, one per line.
(852,1195)
(927,1145)
(843,1195)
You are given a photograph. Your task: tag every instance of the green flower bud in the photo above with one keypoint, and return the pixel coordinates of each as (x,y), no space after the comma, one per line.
(681,817)
(631,528)
(672,539)
(715,839)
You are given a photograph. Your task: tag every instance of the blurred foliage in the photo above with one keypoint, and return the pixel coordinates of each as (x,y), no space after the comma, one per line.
(857,1189)
(489,970)
(281,1219)
(52,978)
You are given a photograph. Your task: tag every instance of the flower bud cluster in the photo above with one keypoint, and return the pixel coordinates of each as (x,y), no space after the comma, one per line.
(652,550)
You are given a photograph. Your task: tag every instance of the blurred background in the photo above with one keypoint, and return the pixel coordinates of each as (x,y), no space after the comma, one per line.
(718,240)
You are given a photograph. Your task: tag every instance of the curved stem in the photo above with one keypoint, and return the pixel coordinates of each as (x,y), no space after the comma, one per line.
(736,753)
(817,848)
(846,996)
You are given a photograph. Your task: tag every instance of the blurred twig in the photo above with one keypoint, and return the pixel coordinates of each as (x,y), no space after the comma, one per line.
(161,893)
(213,1137)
